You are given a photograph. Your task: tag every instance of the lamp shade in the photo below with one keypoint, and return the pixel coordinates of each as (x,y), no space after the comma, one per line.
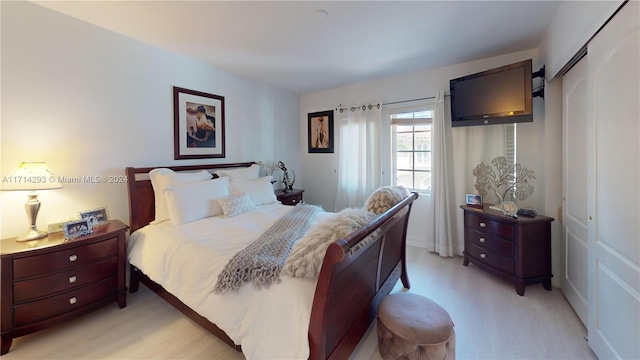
(30,176)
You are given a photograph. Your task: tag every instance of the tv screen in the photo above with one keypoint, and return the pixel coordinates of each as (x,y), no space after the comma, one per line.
(497,96)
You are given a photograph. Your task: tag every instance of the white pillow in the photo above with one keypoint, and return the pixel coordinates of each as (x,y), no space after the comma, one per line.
(194,201)
(161,178)
(236,205)
(260,190)
(250,173)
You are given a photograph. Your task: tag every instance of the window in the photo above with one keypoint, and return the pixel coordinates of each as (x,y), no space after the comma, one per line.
(411,149)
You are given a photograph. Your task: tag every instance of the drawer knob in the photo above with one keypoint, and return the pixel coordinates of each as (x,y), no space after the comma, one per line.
(483,240)
(72,279)
(73,257)
(73,300)
(294,201)
(484,256)
(483,225)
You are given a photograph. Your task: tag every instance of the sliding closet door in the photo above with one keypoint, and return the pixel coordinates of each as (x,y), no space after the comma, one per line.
(614,187)
(575,108)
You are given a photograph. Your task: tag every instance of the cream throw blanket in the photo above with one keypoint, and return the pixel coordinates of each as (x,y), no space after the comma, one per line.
(262,261)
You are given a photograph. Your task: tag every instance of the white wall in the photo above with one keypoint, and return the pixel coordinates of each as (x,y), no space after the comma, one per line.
(91,102)
(573,24)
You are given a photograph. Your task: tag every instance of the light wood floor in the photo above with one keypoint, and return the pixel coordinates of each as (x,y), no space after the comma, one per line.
(492,322)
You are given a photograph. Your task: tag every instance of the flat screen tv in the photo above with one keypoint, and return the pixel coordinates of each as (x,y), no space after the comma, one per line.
(497,96)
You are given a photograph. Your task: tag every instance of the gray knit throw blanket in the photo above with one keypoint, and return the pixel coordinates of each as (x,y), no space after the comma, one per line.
(262,261)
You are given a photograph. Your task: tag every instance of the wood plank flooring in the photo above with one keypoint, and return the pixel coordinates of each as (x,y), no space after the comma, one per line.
(492,322)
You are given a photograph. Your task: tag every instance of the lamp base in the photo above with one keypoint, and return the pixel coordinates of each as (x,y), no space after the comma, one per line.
(31,236)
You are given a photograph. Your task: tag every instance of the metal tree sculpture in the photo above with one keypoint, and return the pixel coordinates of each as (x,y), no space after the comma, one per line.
(504,179)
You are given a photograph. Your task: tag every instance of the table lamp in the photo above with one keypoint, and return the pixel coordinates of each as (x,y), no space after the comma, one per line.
(31,176)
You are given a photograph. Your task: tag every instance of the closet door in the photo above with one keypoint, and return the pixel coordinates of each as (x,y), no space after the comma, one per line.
(575,108)
(614,187)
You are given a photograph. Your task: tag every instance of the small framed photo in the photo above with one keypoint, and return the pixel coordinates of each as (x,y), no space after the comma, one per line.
(474,201)
(320,132)
(95,216)
(77,228)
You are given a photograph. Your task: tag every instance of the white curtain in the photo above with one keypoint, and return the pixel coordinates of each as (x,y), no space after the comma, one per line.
(455,152)
(441,203)
(359,170)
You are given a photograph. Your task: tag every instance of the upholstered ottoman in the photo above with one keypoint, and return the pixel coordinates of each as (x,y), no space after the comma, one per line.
(411,326)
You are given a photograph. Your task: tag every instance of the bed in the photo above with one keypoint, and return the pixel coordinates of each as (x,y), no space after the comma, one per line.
(356,273)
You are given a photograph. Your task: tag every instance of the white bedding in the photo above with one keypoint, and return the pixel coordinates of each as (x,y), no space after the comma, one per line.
(186,261)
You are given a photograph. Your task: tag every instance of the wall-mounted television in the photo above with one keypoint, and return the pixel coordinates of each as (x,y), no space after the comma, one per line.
(497,96)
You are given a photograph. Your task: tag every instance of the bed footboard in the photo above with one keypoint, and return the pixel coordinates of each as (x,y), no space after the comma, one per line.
(356,274)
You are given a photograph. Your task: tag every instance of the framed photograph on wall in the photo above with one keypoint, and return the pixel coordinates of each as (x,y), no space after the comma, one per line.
(320,126)
(198,125)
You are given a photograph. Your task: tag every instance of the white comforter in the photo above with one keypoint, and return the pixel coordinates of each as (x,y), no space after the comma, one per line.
(186,261)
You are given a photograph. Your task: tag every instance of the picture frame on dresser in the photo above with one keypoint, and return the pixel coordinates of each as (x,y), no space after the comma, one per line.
(198,125)
(95,216)
(77,228)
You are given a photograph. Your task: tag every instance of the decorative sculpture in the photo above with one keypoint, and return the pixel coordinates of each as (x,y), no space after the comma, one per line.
(505,179)
(287,179)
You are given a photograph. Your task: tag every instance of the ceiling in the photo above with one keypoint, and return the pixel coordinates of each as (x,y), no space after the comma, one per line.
(282,44)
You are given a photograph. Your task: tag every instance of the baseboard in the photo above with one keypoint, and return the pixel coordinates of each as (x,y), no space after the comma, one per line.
(417,242)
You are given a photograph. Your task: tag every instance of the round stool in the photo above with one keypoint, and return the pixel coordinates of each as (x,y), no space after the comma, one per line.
(411,326)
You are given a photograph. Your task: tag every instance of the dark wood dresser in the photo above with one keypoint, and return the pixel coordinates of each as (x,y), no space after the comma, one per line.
(291,197)
(50,281)
(516,249)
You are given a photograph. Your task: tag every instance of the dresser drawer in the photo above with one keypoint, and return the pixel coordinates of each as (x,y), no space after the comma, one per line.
(32,312)
(292,200)
(503,230)
(491,243)
(497,261)
(64,259)
(63,281)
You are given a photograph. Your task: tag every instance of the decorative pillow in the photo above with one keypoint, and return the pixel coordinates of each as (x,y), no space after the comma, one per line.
(194,201)
(385,198)
(308,253)
(236,205)
(162,178)
(250,173)
(260,190)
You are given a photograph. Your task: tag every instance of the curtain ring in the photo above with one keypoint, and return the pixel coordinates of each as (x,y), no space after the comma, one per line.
(378,105)
(353,108)
(364,108)
(370,106)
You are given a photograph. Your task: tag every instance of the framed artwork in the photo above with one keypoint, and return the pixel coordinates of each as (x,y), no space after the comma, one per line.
(198,125)
(320,127)
(474,200)
(95,216)
(77,228)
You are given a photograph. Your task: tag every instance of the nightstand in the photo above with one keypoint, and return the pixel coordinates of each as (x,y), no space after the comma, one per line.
(53,280)
(516,249)
(291,197)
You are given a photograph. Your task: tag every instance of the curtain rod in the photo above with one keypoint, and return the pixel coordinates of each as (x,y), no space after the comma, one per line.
(364,107)
(404,101)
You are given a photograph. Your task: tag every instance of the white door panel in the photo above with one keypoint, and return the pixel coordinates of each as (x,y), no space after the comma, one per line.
(614,187)
(574,127)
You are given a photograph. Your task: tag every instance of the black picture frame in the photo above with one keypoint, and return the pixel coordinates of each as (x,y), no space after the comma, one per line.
(191,109)
(320,132)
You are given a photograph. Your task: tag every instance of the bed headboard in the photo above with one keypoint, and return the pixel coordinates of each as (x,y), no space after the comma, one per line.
(141,197)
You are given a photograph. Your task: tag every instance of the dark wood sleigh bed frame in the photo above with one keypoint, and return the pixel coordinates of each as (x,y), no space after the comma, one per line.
(357,272)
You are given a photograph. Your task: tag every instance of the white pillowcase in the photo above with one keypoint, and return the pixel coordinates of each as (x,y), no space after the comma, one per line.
(194,201)
(250,173)
(260,190)
(162,178)
(236,205)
